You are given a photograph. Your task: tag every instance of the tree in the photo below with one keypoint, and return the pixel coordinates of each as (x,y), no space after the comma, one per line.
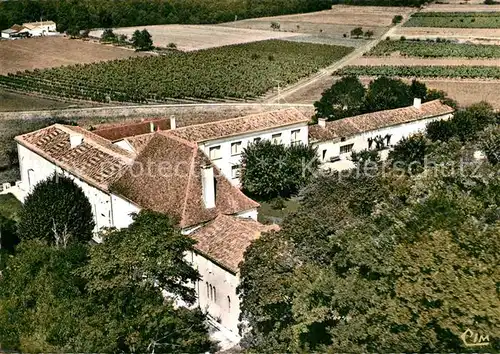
(368,34)
(489,142)
(106,297)
(386,93)
(357,32)
(8,234)
(418,90)
(343,99)
(365,157)
(397,19)
(409,153)
(383,277)
(108,35)
(440,130)
(57,211)
(270,170)
(142,40)
(275,26)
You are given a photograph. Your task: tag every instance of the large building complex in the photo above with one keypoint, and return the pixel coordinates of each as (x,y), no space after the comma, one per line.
(192,174)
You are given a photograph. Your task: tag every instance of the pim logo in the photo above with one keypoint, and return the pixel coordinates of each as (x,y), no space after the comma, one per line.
(472,339)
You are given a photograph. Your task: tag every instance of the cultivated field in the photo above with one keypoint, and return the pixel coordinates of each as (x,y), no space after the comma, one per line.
(465,34)
(460,6)
(244,71)
(434,62)
(10,101)
(455,20)
(49,52)
(334,23)
(195,37)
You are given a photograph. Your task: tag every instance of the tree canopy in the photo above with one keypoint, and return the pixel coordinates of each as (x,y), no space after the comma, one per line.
(56,211)
(274,170)
(142,40)
(382,262)
(105,297)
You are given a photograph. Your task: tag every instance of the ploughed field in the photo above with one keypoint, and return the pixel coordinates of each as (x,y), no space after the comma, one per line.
(244,71)
(48,52)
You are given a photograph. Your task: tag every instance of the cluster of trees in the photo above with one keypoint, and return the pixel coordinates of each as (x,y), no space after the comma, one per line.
(385,261)
(60,293)
(358,32)
(141,40)
(348,96)
(73,15)
(272,170)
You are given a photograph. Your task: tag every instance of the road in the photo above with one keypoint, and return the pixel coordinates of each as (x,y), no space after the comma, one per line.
(283,94)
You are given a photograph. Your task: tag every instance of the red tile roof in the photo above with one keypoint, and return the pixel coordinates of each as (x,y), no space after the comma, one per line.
(226,238)
(127,130)
(166,177)
(95,160)
(240,125)
(377,120)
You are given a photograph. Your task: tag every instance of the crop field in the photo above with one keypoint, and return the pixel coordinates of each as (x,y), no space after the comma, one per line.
(455,20)
(424,49)
(461,6)
(451,71)
(340,20)
(409,61)
(243,71)
(195,37)
(48,52)
(479,35)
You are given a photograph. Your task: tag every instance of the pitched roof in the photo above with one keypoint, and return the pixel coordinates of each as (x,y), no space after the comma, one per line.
(127,130)
(95,160)
(166,177)
(240,125)
(226,238)
(32,25)
(377,120)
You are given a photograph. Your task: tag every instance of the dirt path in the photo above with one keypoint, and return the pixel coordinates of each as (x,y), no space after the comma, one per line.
(282,96)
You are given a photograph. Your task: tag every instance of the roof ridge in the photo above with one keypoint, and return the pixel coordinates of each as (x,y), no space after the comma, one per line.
(168,134)
(126,154)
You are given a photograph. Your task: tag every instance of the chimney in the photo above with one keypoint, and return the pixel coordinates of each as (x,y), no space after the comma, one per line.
(151,127)
(172,122)
(208,186)
(322,122)
(417,103)
(75,140)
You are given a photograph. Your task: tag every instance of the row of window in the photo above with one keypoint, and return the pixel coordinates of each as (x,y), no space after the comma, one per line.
(212,295)
(237,147)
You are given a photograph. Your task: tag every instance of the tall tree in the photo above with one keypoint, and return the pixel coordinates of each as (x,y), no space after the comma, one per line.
(57,211)
(386,93)
(343,99)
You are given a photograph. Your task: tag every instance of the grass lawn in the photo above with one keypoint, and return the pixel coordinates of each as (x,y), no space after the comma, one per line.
(269,214)
(9,206)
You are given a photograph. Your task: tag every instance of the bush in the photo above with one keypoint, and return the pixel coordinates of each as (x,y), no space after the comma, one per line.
(357,32)
(489,142)
(397,19)
(108,35)
(402,38)
(56,211)
(172,45)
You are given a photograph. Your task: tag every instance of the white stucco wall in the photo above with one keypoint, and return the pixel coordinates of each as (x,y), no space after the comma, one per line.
(227,159)
(332,148)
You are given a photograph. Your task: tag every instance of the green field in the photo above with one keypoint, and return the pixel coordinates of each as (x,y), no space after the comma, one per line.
(455,20)
(243,71)
(428,49)
(423,71)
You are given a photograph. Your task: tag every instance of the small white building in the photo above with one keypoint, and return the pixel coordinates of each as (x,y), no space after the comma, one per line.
(42,28)
(335,140)
(15,32)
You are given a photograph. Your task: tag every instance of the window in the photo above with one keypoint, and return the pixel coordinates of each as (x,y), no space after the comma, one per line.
(215,295)
(208,290)
(235,171)
(229,303)
(344,149)
(295,136)
(256,140)
(236,148)
(276,138)
(324,154)
(214,152)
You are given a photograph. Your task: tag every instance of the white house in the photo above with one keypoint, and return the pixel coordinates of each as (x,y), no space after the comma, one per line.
(335,140)
(16,31)
(42,28)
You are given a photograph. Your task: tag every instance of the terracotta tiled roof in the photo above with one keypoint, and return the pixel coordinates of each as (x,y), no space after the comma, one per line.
(377,120)
(95,160)
(139,142)
(166,177)
(240,125)
(226,238)
(127,130)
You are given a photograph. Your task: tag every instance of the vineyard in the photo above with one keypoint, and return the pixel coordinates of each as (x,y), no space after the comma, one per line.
(241,71)
(427,49)
(423,71)
(455,20)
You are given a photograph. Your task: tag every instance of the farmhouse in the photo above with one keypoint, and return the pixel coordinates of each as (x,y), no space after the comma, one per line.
(16,31)
(192,174)
(42,28)
(336,140)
